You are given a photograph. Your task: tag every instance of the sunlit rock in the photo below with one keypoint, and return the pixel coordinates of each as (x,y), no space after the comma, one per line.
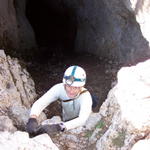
(126,110)
(142,145)
(20,140)
(17,90)
(6,124)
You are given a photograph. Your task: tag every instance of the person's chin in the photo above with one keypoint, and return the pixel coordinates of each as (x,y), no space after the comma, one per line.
(71,96)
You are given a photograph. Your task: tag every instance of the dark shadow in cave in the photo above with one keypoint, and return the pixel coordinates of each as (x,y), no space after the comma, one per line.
(54,26)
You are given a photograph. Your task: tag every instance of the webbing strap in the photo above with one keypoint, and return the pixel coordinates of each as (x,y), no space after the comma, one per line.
(73,71)
(68,100)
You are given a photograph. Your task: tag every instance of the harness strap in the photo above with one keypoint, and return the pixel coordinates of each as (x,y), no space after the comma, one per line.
(68,100)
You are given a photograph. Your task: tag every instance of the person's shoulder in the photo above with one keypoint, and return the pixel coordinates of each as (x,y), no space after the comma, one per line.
(56,88)
(84,92)
(58,85)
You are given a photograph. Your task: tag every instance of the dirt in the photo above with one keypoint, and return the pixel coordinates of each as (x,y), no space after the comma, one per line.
(101,74)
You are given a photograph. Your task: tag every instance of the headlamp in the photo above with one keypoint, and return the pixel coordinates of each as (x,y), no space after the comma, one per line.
(70,79)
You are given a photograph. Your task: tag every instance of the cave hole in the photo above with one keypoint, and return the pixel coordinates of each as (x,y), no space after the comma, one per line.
(54,25)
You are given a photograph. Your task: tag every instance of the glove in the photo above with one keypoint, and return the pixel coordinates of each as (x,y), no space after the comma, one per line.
(51,129)
(32,125)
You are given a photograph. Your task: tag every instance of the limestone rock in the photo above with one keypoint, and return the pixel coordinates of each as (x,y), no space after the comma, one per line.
(133,95)
(17,90)
(112,29)
(20,115)
(15,31)
(116,29)
(8,91)
(142,13)
(127,109)
(142,145)
(23,82)
(6,124)
(20,140)
(16,86)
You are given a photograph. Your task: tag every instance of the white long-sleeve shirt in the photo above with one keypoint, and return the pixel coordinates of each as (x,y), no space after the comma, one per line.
(76,111)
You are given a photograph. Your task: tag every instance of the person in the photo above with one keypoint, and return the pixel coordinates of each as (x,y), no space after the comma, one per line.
(76,103)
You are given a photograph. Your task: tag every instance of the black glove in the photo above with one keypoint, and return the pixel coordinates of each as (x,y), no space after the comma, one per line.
(32,125)
(51,129)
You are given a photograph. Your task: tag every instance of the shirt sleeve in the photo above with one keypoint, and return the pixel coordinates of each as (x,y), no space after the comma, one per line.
(50,96)
(85,110)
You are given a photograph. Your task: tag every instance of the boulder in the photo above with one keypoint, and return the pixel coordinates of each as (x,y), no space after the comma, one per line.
(126,109)
(17,90)
(20,140)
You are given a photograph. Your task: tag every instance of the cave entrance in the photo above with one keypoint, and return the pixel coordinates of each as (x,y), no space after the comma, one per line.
(54,25)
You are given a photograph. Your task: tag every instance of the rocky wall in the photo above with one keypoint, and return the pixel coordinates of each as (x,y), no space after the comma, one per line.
(16,34)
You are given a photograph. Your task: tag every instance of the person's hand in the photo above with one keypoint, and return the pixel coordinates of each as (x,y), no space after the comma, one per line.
(32,125)
(51,129)
(59,127)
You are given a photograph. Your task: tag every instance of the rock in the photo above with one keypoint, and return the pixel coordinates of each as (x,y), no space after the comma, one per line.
(133,95)
(142,11)
(8,92)
(6,124)
(53,120)
(126,109)
(17,90)
(93,119)
(20,140)
(108,28)
(13,91)
(117,29)
(142,145)
(16,34)
(22,81)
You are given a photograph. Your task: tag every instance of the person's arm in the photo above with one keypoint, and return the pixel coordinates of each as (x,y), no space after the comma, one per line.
(85,110)
(49,97)
(38,106)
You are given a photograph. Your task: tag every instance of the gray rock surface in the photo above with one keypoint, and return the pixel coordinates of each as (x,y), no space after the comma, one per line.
(142,145)
(116,29)
(111,28)
(16,33)
(6,124)
(17,91)
(16,86)
(127,109)
(123,118)
(21,141)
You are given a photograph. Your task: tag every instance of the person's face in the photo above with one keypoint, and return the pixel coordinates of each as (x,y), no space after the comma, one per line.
(72,91)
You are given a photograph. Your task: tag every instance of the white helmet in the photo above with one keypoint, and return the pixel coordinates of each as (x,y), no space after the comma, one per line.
(74,76)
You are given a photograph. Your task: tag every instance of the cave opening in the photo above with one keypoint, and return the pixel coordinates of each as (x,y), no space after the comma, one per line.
(55,27)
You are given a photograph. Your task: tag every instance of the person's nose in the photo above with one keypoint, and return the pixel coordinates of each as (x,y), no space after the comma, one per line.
(72,89)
